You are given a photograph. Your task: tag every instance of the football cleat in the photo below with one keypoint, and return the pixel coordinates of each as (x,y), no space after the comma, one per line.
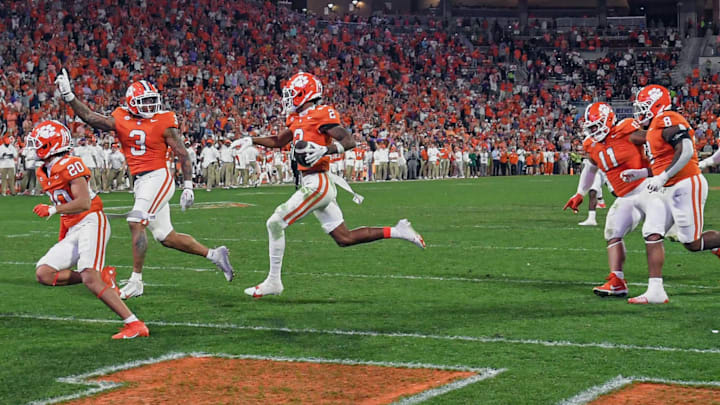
(647,298)
(615,287)
(601,205)
(267,287)
(132,330)
(132,289)
(588,222)
(406,231)
(222,261)
(108,275)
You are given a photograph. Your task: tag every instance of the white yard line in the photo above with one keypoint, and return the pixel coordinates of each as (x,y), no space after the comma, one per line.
(618,382)
(405,277)
(100,386)
(339,332)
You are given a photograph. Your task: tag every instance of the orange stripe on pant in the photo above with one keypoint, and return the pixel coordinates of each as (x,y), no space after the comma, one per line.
(160,195)
(314,203)
(307,200)
(696,200)
(103,242)
(99,236)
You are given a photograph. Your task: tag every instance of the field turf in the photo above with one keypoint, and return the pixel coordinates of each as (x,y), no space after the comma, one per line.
(505,283)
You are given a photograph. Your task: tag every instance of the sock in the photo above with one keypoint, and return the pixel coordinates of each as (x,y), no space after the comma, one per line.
(210,254)
(591,215)
(130,319)
(277,251)
(388,232)
(655,285)
(135,276)
(619,274)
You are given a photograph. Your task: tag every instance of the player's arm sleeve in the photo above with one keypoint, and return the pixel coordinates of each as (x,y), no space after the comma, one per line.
(587,176)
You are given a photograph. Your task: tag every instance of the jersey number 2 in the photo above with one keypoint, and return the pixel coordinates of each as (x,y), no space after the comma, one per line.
(139,148)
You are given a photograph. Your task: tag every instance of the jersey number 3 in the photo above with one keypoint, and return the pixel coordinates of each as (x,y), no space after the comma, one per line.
(139,148)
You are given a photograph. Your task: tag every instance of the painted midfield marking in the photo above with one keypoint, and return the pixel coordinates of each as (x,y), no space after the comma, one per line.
(478,339)
(100,386)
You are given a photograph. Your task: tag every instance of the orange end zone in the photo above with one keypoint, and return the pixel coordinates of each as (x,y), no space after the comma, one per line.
(209,380)
(660,394)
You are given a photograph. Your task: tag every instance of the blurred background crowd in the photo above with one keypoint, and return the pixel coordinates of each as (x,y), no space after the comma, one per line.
(425,97)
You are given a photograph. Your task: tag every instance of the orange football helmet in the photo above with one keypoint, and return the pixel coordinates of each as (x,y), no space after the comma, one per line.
(49,138)
(143,99)
(599,120)
(649,102)
(300,89)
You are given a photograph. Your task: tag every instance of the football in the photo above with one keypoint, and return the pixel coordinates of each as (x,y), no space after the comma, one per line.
(298,151)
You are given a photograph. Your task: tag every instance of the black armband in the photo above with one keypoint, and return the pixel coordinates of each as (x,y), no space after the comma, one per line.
(678,137)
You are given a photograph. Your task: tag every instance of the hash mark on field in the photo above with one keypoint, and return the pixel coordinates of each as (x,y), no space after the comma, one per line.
(620,381)
(339,332)
(100,386)
(408,277)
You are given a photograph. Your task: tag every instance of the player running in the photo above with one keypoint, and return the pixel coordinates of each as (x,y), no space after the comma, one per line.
(676,177)
(145,133)
(84,228)
(318,127)
(609,148)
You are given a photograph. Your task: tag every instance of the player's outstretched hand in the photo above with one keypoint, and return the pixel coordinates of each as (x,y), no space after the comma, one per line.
(656,183)
(44,210)
(314,152)
(242,143)
(187,198)
(573,203)
(630,175)
(63,83)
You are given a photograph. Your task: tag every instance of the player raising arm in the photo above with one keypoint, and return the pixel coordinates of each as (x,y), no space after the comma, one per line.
(84,228)
(145,132)
(677,180)
(315,131)
(610,150)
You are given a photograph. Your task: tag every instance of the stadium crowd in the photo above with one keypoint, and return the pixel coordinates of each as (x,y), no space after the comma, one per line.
(425,98)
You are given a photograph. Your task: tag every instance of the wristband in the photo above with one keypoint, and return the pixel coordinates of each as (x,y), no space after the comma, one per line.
(68,97)
(188,184)
(51,211)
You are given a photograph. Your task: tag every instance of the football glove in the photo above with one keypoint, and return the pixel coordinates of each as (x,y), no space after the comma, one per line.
(630,175)
(314,152)
(706,163)
(44,210)
(656,183)
(63,83)
(573,203)
(187,198)
(242,143)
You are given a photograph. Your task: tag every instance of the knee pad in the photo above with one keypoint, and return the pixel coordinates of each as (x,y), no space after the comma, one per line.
(275,225)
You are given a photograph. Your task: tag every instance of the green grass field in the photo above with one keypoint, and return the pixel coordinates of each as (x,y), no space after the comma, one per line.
(505,283)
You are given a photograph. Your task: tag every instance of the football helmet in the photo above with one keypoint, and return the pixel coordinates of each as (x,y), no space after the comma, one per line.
(143,99)
(300,89)
(649,102)
(49,138)
(599,119)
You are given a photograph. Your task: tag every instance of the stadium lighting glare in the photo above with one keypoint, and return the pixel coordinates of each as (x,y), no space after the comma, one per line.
(331,6)
(355,2)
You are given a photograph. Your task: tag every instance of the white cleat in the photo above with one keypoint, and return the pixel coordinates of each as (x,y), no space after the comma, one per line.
(654,298)
(267,287)
(407,232)
(132,289)
(588,222)
(222,261)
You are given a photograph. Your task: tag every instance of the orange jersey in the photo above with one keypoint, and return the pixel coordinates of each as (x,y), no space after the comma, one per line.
(661,153)
(616,153)
(306,126)
(142,139)
(56,185)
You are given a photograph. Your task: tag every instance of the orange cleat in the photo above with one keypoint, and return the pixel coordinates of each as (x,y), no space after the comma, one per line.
(108,277)
(132,330)
(615,287)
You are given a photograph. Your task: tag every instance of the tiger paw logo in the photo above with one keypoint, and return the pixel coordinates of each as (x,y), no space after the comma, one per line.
(655,93)
(300,81)
(604,109)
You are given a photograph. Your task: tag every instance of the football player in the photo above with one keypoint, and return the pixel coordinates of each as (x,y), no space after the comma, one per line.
(145,133)
(84,228)
(676,177)
(317,125)
(610,150)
